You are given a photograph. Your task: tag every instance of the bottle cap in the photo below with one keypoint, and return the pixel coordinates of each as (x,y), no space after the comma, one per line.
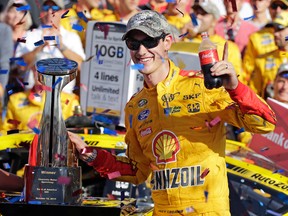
(204,34)
(77,110)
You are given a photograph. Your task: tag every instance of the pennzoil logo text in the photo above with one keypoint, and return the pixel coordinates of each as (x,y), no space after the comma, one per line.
(177,177)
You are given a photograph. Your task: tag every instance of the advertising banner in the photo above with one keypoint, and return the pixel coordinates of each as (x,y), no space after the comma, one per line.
(274,145)
(107,80)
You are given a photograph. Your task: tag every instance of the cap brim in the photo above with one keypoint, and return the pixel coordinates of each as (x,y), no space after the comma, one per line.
(275,26)
(269,25)
(283,1)
(196,6)
(55,2)
(283,74)
(126,34)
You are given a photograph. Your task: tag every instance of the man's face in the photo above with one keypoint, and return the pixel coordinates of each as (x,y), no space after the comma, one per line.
(280,37)
(92,3)
(13,16)
(207,20)
(276,7)
(51,14)
(128,5)
(281,88)
(151,58)
(260,5)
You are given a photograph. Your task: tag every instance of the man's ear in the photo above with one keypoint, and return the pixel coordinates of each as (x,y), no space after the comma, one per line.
(168,41)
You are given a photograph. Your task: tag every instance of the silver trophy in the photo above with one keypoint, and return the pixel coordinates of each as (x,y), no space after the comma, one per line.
(53,175)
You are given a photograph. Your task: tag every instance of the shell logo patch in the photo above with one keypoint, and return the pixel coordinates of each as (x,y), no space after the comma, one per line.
(165,146)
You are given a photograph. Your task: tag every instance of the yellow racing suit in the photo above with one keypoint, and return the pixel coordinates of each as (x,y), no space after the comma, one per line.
(265,70)
(24,107)
(176,131)
(260,43)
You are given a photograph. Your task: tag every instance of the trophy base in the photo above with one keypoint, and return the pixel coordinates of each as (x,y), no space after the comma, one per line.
(15,209)
(12,205)
(52,185)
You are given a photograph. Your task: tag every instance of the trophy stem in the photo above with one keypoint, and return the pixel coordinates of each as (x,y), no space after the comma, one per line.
(51,126)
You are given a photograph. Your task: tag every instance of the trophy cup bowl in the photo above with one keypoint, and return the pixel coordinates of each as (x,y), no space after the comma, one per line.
(53,175)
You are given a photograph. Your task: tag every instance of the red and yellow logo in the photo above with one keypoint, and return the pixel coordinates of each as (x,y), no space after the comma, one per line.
(165,146)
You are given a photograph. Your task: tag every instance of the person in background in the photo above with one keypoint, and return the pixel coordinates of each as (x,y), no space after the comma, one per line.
(20,22)
(266,65)
(181,142)
(232,27)
(123,10)
(177,15)
(207,15)
(6,52)
(26,107)
(277,6)
(80,13)
(261,13)
(280,84)
(156,5)
(57,41)
(35,10)
(262,41)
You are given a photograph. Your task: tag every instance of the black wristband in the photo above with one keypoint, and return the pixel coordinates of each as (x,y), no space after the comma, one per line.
(92,156)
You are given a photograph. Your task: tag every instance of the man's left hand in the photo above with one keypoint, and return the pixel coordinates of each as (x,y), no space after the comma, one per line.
(226,69)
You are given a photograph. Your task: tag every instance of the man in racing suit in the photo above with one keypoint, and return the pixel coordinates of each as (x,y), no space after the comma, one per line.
(266,66)
(262,41)
(176,127)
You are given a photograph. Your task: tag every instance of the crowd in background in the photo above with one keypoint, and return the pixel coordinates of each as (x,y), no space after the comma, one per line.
(257,31)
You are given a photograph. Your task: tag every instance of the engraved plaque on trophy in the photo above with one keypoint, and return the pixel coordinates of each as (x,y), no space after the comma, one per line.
(53,176)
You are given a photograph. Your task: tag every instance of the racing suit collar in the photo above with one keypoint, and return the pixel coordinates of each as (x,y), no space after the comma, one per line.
(173,73)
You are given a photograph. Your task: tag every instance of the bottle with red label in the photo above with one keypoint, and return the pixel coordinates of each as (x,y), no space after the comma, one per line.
(208,56)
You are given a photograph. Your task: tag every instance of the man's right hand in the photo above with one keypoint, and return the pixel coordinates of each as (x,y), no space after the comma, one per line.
(86,153)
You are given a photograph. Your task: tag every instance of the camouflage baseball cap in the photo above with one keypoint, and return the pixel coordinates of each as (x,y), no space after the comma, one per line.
(150,22)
